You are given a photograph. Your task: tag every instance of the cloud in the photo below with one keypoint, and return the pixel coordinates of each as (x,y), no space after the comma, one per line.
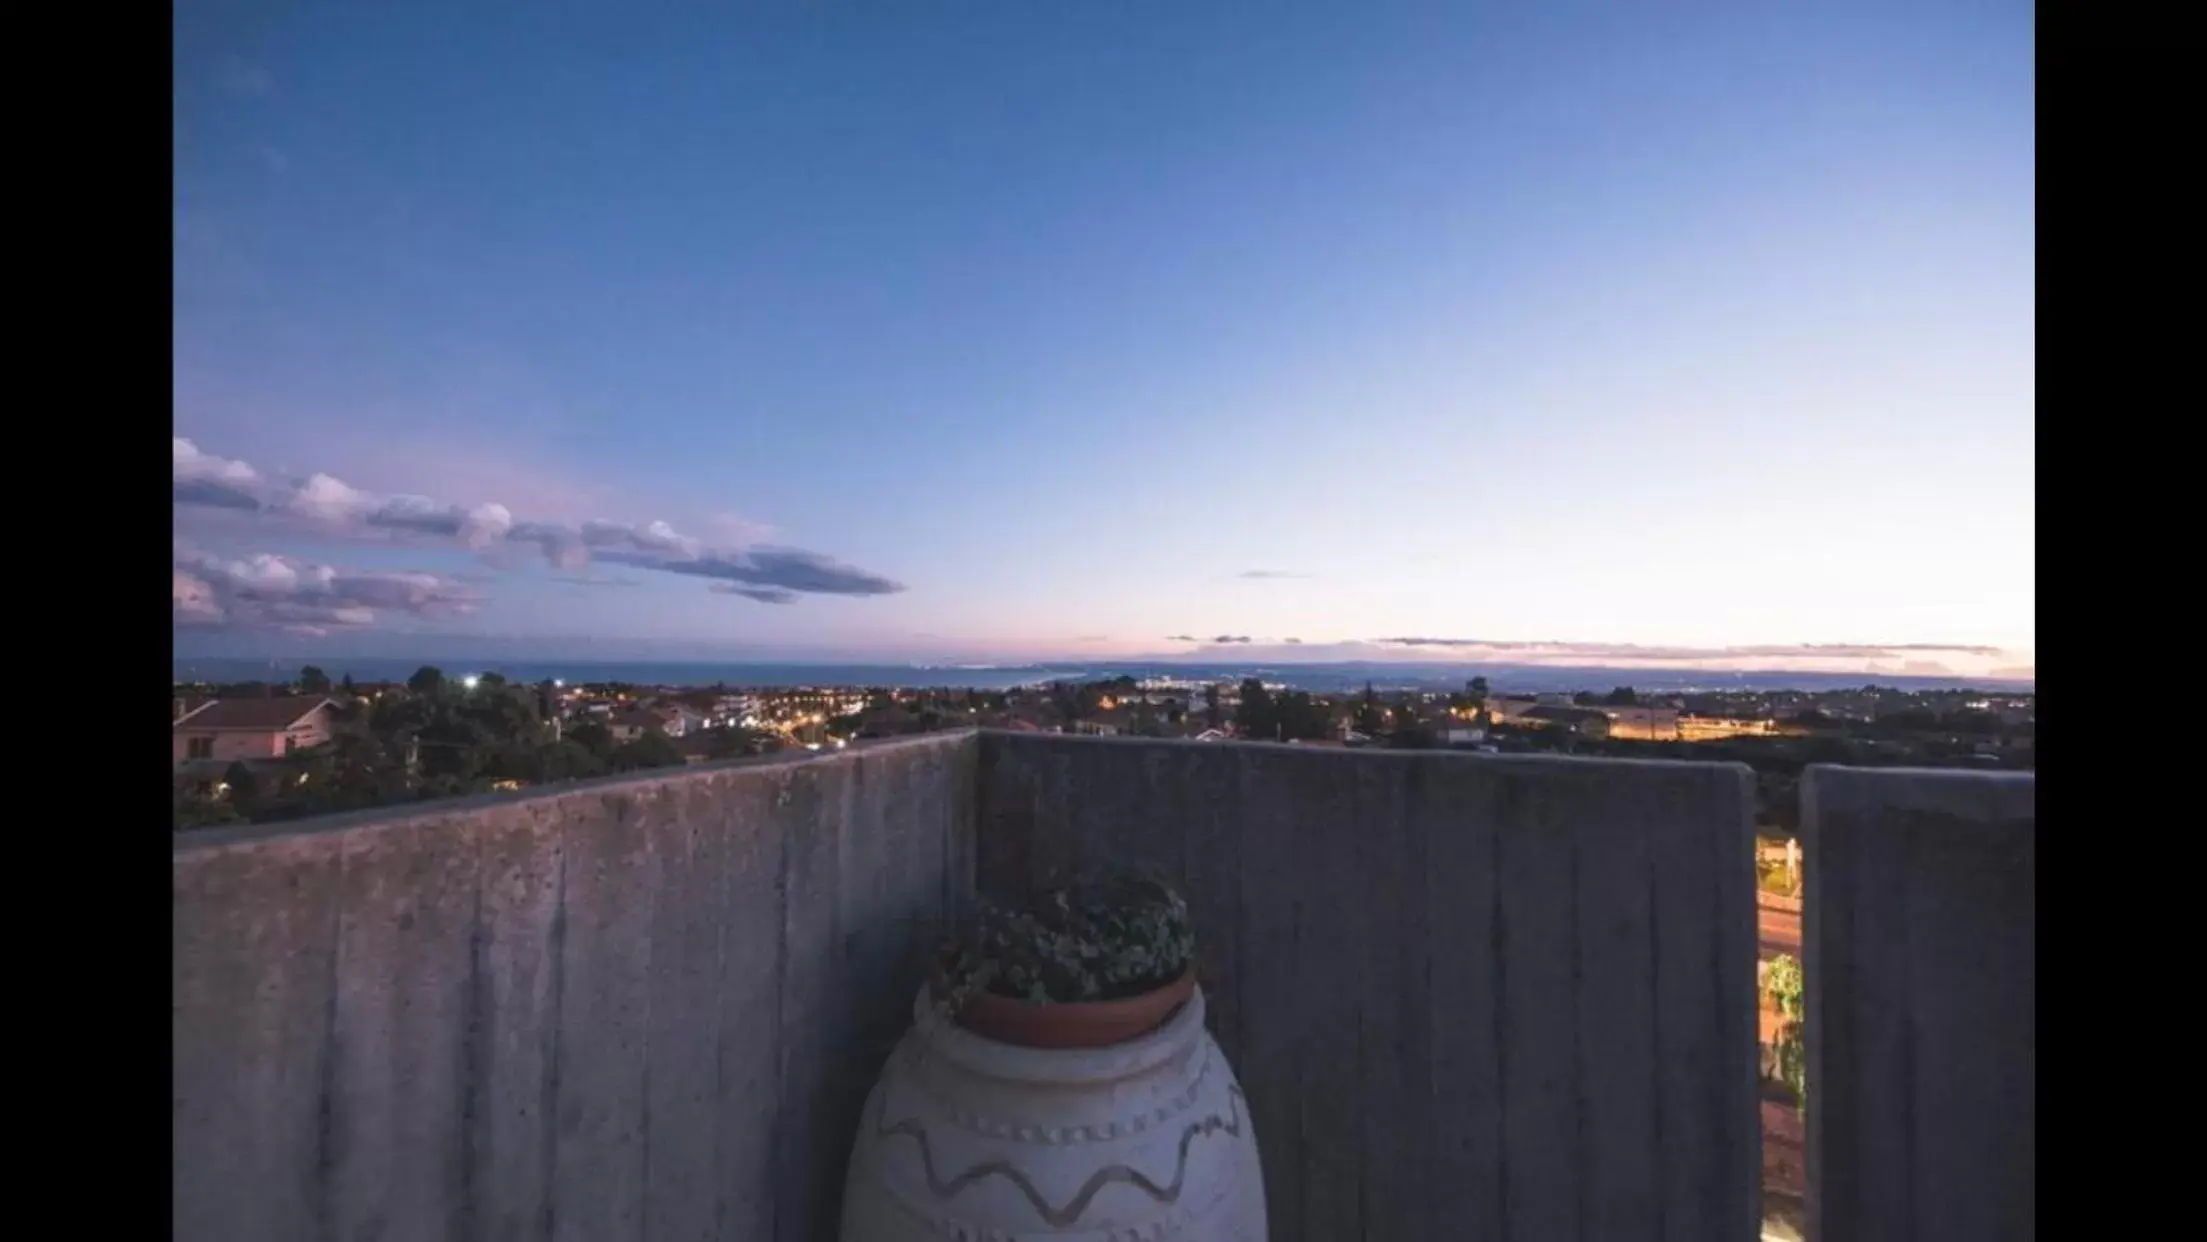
(268,592)
(203,479)
(213,493)
(326,505)
(651,538)
(562,547)
(1231,638)
(1634,652)
(1292,642)
(765,595)
(787,569)
(1269,574)
(1183,638)
(478,527)
(585,581)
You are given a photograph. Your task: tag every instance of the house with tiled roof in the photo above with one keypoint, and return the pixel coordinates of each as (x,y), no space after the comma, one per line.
(631,723)
(222,730)
(1584,720)
(679,719)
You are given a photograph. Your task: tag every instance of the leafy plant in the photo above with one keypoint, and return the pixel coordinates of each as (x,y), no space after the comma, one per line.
(1122,937)
(1782,983)
(1773,876)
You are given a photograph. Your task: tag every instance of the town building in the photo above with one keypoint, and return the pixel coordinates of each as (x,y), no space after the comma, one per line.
(679,719)
(1642,724)
(1586,721)
(633,723)
(222,730)
(1715,728)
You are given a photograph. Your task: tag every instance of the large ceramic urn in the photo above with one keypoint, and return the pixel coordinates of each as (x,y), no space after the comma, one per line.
(972,1138)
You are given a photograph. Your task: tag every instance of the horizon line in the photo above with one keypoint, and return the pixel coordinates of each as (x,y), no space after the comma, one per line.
(433,659)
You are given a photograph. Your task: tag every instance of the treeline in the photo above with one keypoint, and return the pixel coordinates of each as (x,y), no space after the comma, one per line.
(433,739)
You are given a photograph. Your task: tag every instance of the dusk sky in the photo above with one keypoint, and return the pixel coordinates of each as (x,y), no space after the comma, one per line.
(1694,334)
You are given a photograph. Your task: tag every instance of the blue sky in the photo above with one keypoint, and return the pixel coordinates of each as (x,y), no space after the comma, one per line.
(1010,329)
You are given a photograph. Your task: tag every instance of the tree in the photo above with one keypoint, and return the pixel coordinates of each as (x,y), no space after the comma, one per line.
(194,810)
(1069,700)
(563,760)
(1214,714)
(245,787)
(1477,688)
(730,743)
(651,750)
(347,685)
(1622,696)
(1782,983)
(426,680)
(1370,720)
(1587,698)
(1409,732)
(504,713)
(593,736)
(1256,717)
(1298,716)
(313,680)
(1412,737)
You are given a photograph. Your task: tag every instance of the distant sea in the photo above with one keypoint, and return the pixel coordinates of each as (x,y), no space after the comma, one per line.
(1316,677)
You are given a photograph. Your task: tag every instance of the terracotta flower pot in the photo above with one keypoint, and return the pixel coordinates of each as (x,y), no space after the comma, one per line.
(1074,1024)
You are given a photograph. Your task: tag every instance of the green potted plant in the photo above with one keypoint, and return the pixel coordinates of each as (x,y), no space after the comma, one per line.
(1059,1055)
(1083,967)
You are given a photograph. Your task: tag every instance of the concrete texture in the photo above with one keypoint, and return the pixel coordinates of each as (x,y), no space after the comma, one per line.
(1920,961)
(1468,996)
(646,1007)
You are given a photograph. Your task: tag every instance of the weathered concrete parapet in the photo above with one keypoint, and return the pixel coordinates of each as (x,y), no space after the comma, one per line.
(1920,959)
(653,1001)
(1467,995)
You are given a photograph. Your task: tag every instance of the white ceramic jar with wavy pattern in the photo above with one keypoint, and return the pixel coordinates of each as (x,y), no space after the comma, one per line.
(969,1139)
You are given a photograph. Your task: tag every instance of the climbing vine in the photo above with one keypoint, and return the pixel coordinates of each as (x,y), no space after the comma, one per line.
(1782,984)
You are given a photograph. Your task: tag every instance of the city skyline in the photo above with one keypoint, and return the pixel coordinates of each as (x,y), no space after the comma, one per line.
(1156,332)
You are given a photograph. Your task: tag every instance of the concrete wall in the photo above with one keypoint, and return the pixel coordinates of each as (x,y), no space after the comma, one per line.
(1920,961)
(1469,996)
(642,1008)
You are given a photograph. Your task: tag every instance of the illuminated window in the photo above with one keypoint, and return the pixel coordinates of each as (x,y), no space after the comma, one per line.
(200,748)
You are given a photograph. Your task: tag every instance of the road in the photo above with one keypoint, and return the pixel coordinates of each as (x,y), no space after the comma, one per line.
(1779,931)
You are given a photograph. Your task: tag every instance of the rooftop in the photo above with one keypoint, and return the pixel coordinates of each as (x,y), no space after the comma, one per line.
(1466,995)
(268,715)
